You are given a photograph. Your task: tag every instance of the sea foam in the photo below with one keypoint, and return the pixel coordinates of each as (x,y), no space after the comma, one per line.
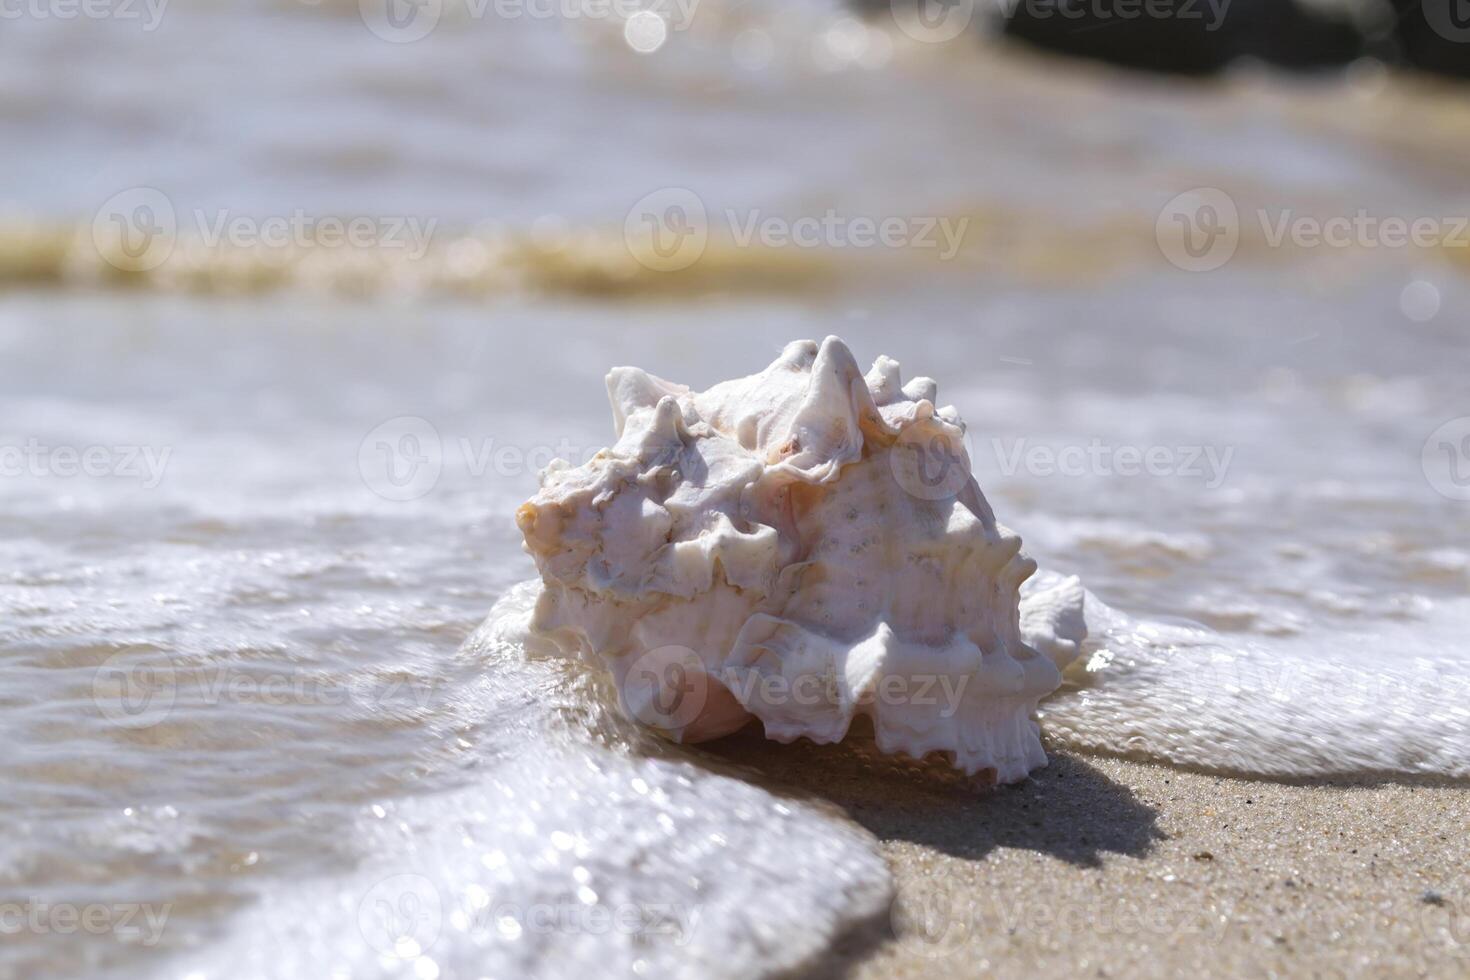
(576,847)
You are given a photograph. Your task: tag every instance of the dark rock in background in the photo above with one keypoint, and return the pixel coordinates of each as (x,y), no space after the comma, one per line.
(1186,36)
(1199,37)
(1434,35)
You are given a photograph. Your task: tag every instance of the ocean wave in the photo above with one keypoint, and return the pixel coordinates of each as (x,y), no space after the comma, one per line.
(1382,701)
(590,263)
(577,845)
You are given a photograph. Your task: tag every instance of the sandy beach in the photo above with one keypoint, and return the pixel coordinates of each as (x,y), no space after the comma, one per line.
(1111,868)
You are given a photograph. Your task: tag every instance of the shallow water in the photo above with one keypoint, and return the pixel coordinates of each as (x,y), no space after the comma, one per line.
(233,691)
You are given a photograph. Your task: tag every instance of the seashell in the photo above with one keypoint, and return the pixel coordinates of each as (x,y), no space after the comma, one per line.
(805,546)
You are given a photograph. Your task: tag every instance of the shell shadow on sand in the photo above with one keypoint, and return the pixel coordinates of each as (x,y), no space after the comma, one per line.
(1068,809)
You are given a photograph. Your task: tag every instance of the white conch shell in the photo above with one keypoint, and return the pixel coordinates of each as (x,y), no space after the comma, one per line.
(805,545)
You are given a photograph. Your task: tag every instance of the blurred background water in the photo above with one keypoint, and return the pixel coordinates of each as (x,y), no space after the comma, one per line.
(258,480)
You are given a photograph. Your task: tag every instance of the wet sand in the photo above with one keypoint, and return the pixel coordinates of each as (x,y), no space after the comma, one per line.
(1107,868)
